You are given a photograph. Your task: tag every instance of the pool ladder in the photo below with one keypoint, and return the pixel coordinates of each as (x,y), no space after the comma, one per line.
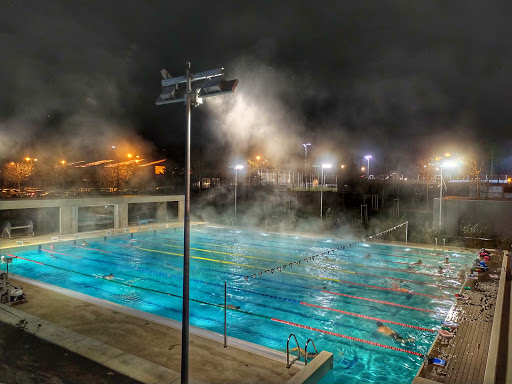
(288,364)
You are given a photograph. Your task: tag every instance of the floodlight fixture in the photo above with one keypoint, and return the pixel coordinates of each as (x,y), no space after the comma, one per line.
(204,84)
(190,89)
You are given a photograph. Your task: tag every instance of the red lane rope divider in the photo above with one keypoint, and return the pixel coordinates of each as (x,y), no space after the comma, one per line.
(378,301)
(347,337)
(19,257)
(367,317)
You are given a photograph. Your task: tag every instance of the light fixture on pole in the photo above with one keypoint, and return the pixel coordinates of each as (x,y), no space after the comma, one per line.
(190,89)
(445,164)
(305,145)
(236,168)
(324,166)
(368,157)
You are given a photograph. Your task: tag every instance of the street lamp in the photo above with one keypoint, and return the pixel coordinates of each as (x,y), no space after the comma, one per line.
(324,166)
(236,168)
(368,157)
(305,145)
(190,89)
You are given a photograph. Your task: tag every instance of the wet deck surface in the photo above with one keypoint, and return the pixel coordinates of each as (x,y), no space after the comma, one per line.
(209,361)
(466,354)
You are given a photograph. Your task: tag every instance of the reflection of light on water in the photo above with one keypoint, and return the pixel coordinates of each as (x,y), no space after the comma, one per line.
(238,231)
(365,245)
(407,249)
(264,234)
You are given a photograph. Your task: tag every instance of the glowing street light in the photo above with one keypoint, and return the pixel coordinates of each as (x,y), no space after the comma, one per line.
(368,157)
(190,89)
(324,166)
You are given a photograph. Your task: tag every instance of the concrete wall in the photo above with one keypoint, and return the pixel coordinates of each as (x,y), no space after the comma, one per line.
(68,217)
(496,214)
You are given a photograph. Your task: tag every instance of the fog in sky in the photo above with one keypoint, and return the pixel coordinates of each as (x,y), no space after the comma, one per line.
(399,78)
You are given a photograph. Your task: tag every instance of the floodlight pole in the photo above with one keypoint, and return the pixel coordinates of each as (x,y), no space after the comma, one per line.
(440,197)
(206,84)
(236,183)
(185,325)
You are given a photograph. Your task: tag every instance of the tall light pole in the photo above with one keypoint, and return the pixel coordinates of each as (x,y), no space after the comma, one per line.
(197,86)
(447,164)
(324,166)
(305,145)
(368,157)
(237,167)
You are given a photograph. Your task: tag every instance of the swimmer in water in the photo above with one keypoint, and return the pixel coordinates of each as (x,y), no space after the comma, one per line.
(385,330)
(303,353)
(396,287)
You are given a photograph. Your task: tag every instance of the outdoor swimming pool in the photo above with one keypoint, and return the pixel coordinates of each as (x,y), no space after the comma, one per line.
(330,290)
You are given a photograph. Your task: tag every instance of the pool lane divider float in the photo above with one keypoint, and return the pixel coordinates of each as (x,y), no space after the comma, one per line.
(237,289)
(348,337)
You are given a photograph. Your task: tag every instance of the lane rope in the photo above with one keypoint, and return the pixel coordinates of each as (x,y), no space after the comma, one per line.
(347,337)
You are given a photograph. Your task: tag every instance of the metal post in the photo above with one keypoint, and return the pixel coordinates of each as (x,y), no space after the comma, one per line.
(236,182)
(8,286)
(322,196)
(225,315)
(406,230)
(186,244)
(440,197)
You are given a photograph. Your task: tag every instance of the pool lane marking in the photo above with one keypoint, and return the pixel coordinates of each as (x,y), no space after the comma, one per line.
(377,301)
(239,289)
(347,337)
(332,269)
(301,274)
(367,317)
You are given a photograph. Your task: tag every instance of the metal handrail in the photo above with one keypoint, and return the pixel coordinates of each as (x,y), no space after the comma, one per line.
(288,365)
(306,350)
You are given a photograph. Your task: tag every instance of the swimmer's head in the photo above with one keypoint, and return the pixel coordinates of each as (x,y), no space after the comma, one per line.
(379,324)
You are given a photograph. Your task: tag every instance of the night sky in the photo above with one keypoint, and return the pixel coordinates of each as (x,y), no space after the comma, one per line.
(402,80)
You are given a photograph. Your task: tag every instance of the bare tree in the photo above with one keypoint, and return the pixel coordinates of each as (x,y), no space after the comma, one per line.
(473,169)
(17,172)
(110,173)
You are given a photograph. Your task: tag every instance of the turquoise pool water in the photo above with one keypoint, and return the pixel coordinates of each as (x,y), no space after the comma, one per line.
(318,288)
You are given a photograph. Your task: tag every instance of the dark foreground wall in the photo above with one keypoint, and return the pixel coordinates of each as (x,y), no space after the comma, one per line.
(496,214)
